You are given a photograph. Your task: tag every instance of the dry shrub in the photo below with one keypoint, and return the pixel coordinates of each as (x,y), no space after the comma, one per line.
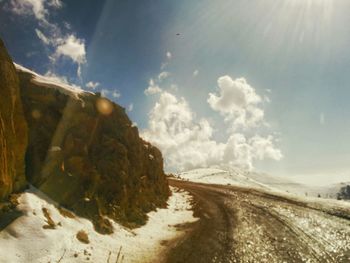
(66,213)
(50,223)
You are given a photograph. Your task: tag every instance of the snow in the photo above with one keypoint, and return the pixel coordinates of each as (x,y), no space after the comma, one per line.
(242,178)
(218,176)
(332,232)
(53,82)
(25,239)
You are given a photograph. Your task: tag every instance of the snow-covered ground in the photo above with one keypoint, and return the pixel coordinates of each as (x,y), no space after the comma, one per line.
(243,178)
(218,176)
(25,240)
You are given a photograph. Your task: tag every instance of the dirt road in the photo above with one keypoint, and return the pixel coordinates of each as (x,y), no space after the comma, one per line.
(244,225)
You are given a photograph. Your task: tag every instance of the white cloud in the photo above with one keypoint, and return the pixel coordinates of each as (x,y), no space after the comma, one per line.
(29,7)
(116,94)
(195,73)
(55,3)
(169,55)
(238,102)
(163,75)
(104,92)
(64,45)
(38,8)
(188,143)
(130,107)
(153,88)
(73,48)
(42,37)
(264,148)
(68,46)
(92,85)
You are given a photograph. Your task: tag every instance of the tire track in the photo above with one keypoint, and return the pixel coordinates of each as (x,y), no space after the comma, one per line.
(246,225)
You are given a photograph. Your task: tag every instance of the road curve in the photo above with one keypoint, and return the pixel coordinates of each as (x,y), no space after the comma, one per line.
(245,225)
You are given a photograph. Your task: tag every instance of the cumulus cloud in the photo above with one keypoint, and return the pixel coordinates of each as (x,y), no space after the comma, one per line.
(130,107)
(169,55)
(38,8)
(64,44)
(73,48)
(238,102)
(189,143)
(195,73)
(265,148)
(92,85)
(153,88)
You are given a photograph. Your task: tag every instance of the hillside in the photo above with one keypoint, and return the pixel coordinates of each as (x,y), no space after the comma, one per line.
(265,181)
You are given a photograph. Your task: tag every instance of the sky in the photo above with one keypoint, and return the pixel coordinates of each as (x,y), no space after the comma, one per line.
(259,85)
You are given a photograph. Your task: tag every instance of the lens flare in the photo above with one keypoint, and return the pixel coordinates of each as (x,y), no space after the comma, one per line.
(104,106)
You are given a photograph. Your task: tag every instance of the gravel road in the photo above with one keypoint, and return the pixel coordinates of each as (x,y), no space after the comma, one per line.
(245,225)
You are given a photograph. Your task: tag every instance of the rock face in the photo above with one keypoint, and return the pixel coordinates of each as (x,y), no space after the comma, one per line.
(13,129)
(85,154)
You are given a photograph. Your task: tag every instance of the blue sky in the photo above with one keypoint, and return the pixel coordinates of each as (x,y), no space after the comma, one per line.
(293,55)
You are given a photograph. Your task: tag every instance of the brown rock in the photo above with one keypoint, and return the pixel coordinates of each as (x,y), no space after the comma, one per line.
(13,129)
(85,154)
(83,237)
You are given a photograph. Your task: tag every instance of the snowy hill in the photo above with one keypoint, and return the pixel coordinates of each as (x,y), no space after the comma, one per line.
(243,178)
(218,176)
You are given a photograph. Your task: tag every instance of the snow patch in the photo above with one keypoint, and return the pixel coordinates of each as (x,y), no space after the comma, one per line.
(25,239)
(52,82)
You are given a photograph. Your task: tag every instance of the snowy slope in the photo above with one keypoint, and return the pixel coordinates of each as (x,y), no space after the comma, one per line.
(217,176)
(243,178)
(53,82)
(25,239)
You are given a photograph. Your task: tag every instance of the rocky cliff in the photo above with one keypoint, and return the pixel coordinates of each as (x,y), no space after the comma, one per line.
(83,150)
(13,129)
(85,153)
